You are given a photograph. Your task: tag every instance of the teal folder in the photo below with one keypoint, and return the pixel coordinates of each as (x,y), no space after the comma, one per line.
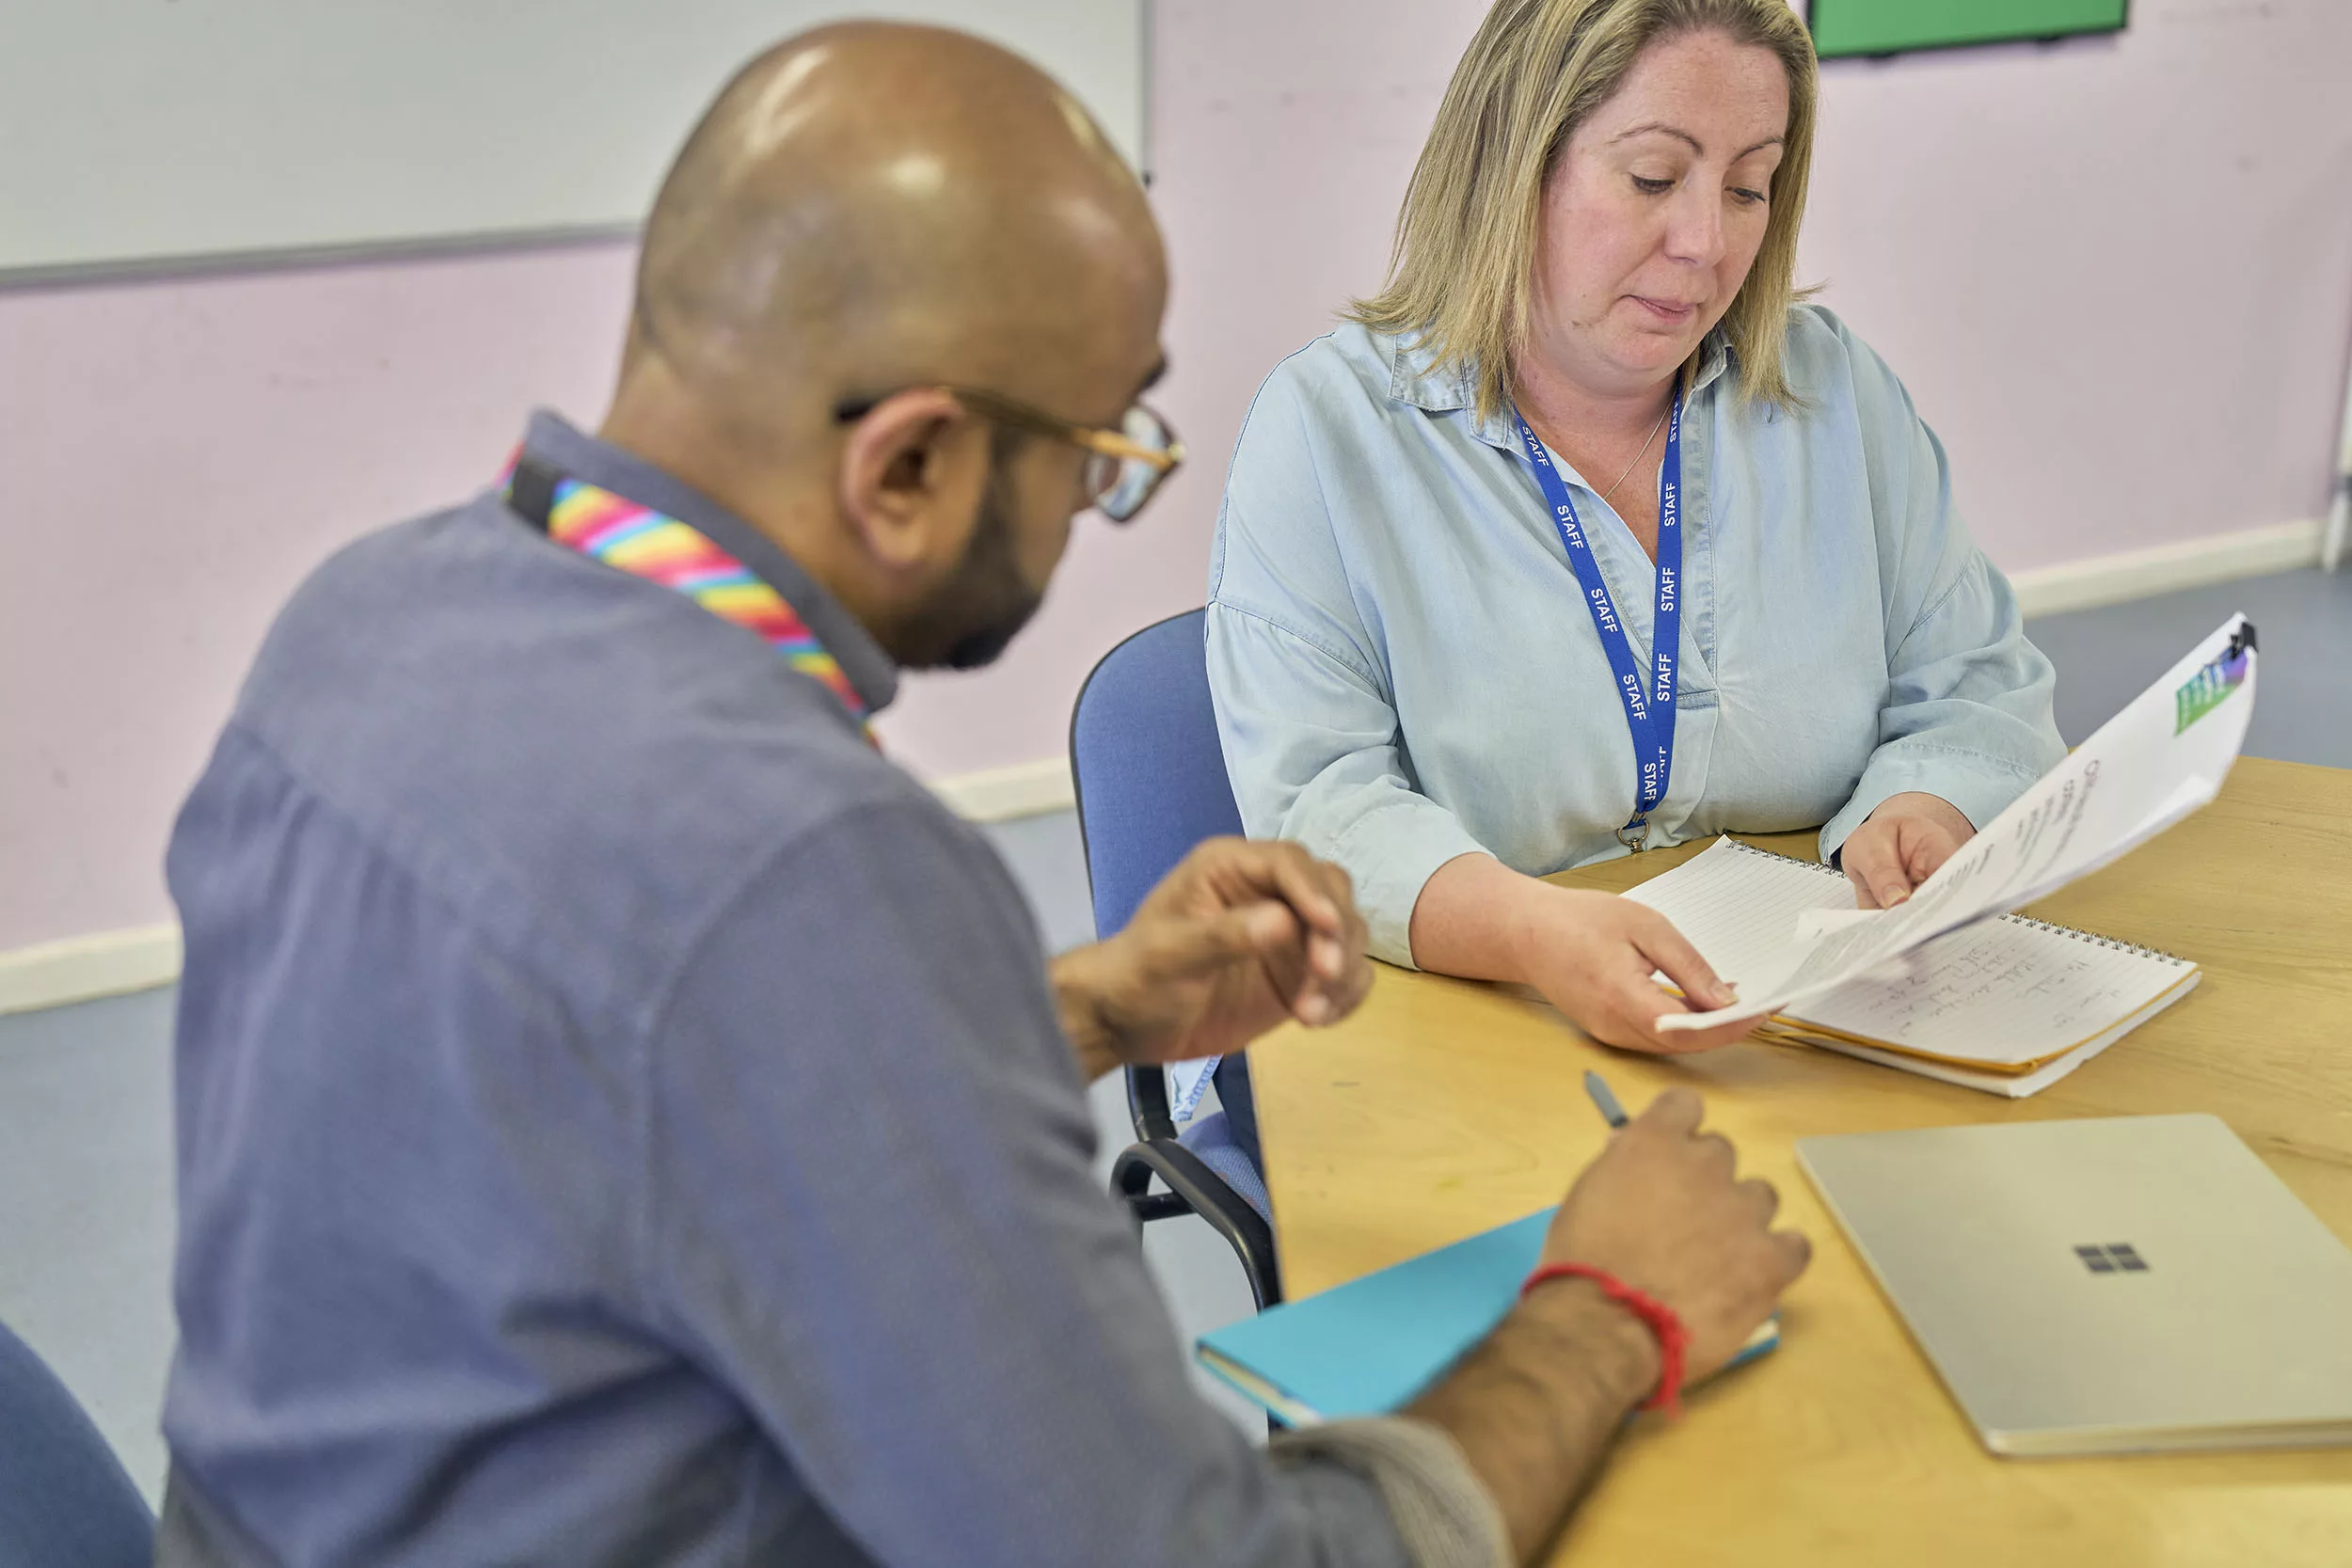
(1369,1347)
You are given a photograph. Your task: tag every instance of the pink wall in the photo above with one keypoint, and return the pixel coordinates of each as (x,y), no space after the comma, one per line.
(2116,274)
(2143,244)
(173,459)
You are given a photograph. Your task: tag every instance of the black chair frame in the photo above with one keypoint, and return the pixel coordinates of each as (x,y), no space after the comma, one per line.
(1192,1187)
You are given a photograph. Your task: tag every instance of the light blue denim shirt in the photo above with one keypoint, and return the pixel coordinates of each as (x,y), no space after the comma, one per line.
(1404,670)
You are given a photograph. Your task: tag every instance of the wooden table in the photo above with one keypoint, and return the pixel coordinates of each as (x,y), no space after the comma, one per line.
(1447,1106)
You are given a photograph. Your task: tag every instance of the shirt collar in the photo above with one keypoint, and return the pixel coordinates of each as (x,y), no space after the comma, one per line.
(556,442)
(1416,378)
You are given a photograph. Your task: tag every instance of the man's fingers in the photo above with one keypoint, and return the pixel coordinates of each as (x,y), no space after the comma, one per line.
(1676,1114)
(1336,974)
(1322,893)
(1236,872)
(1337,979)
(1287,911)
(1353,934)
(1287,871)
(1294,874)
(1665,948)
(1795,1250)
(1325,957)
(1182,947)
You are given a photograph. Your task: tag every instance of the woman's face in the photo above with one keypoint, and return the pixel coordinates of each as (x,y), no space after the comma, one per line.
(1654,210)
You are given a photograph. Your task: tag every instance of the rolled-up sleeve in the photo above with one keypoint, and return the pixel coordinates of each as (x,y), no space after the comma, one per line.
(1967,715)
(1311,733)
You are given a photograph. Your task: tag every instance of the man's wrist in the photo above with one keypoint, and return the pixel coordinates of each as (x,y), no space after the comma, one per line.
(1608,1341)
(1535,1405)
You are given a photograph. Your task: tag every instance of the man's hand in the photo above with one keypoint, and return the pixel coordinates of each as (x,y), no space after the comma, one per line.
(1536,1406)
(1238,938)
(1663,1211)
(1901,846)
(1592,955)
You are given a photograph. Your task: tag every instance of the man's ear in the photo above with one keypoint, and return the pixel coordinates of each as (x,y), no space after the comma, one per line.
(912,476)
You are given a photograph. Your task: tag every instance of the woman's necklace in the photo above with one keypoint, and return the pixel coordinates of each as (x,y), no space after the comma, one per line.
(1639,455)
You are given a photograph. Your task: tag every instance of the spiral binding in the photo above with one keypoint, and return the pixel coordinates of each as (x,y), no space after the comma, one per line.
(2111,944)
(2095,939)
(1791,860)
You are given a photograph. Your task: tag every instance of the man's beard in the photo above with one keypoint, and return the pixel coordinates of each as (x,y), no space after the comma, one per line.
(984,603)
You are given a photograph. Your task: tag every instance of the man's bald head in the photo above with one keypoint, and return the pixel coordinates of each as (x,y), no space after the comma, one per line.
(872,206)
(870,215)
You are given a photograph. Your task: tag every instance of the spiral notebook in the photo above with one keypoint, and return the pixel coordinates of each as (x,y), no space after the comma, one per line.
(2008,1006)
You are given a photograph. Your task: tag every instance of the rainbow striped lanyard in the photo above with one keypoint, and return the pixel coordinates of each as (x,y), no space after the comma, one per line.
(652,545)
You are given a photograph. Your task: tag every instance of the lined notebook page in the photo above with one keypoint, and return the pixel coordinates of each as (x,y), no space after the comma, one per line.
(1738,907)
(2005,990)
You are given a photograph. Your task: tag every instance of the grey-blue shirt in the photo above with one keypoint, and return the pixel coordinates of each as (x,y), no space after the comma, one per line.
(622,1118)
(1404,670)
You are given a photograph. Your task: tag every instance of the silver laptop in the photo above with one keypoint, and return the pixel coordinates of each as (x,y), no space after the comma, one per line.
(2130,1283)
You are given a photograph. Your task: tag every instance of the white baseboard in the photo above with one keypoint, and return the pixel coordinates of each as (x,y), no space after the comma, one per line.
(2107,579)
(1001,794)
(80,969)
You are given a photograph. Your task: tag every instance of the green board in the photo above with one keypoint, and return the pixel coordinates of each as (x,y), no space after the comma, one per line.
(1890,26)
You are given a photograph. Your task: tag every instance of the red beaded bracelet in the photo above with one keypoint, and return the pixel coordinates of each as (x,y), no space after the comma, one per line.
(1659,1318)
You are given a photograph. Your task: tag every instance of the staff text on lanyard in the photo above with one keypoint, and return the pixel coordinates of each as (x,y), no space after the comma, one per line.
(1649,709)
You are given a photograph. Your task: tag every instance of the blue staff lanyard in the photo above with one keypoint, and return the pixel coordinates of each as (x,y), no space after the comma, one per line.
(1649,713)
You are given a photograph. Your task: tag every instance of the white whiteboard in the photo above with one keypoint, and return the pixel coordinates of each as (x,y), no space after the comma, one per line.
(138,133)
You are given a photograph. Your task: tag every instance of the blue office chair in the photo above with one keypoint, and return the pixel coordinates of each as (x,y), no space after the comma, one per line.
(65,1502)
(1150,783)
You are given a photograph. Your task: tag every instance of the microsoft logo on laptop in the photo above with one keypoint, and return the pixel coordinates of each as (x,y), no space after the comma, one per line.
(2114,1258)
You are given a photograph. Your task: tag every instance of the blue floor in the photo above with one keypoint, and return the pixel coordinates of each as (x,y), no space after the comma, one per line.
(84,1113)
(2303,712)
(86,1206)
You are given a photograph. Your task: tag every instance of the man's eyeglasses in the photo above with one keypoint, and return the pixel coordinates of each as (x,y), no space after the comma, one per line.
(1123,467)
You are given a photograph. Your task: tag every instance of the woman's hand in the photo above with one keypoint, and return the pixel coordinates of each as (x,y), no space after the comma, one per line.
(1592,955)
(1240,937)
(1901,846)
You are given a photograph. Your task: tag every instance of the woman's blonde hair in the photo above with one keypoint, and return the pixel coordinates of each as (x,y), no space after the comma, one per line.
(1464,257)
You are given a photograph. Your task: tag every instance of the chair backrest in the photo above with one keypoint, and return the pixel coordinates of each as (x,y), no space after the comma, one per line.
(1151,780)
(1150,773)
(65,1502)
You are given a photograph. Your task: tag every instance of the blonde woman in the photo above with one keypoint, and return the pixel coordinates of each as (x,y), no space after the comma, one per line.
(1589,405)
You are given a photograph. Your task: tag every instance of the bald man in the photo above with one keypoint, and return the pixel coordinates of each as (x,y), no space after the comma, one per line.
(625,1120)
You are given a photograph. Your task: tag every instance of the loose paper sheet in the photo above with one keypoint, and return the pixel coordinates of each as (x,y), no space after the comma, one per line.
(2161,758)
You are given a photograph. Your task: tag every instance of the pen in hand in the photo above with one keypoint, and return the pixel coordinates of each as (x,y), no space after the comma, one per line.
(1603,1100)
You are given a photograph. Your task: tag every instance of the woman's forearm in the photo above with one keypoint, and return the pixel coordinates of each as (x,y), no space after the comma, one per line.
(1475,918)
